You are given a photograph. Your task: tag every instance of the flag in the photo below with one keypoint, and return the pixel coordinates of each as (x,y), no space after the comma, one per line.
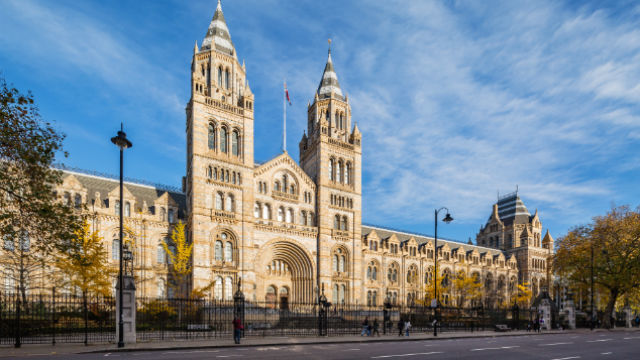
(286,93)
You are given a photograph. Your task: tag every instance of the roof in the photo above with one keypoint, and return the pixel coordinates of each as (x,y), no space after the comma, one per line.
(142,193)
(329,82)
(511,209)
(422,239)
(218,34)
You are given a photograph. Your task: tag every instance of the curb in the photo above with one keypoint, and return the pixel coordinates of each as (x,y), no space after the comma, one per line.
(396,339)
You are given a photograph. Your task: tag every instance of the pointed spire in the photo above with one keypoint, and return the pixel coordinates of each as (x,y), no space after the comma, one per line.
(329,82)
(195,48)
(356,131)
(218,34)
(547,239)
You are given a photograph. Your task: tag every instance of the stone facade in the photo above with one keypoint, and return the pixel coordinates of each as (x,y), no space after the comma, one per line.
(288,229)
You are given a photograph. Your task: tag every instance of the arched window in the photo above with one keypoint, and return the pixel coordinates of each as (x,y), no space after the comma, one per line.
(369,298)
(311,219)
(211,139)
(292,189)
(276,185)
(219,199)
(289,216)
(392,274)
(374,273)
(228,251)
(335,263)
(280,214)
(335,293)
(67,199)
(229,206)
(78,201)
(226,79)
(127,209)
(220,76)
(161,257)
(234,143)
(161,288)
(223,139)
(374,298)
(256,210)
(228,288)
(116,207)
(266,212)
(369,272)
(218,251)
(343,291)
(344,225)
(347,174)
(339,177)
(171,213)
(336,222)
(163,214)
(217,288)
(331,165)
(115,249)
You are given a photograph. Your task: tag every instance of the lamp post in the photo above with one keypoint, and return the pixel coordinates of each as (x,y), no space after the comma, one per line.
(591,325)
(122,143)
(447,219)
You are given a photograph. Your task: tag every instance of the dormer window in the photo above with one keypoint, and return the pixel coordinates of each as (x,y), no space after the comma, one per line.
(127,209)
(171,215)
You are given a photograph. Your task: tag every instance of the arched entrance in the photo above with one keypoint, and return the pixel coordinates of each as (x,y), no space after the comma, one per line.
(287,273)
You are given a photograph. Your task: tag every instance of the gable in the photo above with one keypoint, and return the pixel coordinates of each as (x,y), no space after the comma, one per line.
(286,163)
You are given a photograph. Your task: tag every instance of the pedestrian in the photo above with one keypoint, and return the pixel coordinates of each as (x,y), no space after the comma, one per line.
(365,326)
(637,320)
(376,325)
(369,329)
(529,325)
(407,327)
(400,327)
(237,329)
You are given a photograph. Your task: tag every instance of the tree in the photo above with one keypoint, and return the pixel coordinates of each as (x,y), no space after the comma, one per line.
(84,265)
(468,288)
(611,244)
(33,224)
(179,255)
(443,287)
(523,295)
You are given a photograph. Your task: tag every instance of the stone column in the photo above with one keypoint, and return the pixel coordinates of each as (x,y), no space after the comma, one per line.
(626,310)
(128,310)
(544,310)
(570,312)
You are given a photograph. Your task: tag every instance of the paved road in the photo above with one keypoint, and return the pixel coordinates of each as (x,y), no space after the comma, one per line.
(602,346)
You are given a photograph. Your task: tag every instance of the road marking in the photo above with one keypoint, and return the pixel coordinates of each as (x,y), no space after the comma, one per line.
(554,344)
(351,350)
(600,340)
(629,338)
(607,353)
(400,355)
(496,348)
(226,356)
(567,358)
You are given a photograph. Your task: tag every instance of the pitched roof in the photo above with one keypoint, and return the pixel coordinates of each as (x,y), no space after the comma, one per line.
(218,34)
(511,209)
(329,82)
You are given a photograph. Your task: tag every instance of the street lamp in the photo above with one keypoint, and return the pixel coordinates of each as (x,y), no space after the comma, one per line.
(447,219)
(121,142)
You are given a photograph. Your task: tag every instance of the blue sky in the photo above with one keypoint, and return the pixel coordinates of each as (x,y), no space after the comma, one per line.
(456,99)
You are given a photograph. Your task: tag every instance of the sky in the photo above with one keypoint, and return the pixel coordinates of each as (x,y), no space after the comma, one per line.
(457,101)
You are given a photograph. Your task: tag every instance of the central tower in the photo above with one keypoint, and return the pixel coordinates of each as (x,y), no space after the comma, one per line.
(219,160)
(331,155)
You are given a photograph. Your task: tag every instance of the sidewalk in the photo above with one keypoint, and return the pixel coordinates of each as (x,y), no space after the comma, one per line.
(47,349)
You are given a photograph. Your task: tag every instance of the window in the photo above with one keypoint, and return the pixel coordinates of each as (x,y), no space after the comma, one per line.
(220,76)
(78,201)
(163,214)
(223,139)
(339,172)
(234,143)
(256,211)
(211,139)
(292,189)
(280,213)
(331,170)
(218,251)
(8,243)
(289,216)
(217,288)
(226,78)
(392,274)
(335,293)
(266,212)
(161,256)
(303,218)
(116,207)
(347,172)
(228,288)
(115,249)
(344,225)
(336,222)
(276,185)
(161,288)
(343,290)
(229,206)
(171,214)
(218,201)
(67,198)
(228,251)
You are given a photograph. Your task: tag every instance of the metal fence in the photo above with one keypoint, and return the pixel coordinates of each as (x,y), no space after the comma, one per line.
(38,319)
(57,318)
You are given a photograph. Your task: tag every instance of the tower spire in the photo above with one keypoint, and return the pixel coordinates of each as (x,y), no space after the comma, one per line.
(218,36)
(329,82)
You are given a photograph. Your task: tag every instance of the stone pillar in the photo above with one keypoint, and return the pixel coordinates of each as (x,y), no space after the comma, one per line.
(544,311)
(626,310)
(570,313)
(128,310)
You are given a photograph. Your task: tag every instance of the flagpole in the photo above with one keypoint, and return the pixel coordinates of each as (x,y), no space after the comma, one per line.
(284,120)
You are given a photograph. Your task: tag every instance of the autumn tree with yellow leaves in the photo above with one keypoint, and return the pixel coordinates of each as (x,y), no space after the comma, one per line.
(469,289)
(523,295)
(179,254)
(611,244)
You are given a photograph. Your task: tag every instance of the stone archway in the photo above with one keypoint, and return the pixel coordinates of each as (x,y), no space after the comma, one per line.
(294,270)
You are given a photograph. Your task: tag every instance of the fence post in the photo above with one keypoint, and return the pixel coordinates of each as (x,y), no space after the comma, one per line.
(53,315)
(17,320)
(238,305)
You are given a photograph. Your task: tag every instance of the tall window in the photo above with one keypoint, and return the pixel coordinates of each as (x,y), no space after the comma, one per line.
(344,226)
(161,256)
(115,249)
(289,216)
(220,76)
(339,172)
(343,291)
(234,143)
(161,288)
(78,201)
(281,214)
(218,251)
(228,251)
(256,211)
(223,139)
(228,288)
(331,170)
(226,79)
(218,201)
(163,214)
(276,185)
(211,139)
(336,222)
(217,288)
(171,212)
(229,206)
(347,172)
(303,218)
(335,293)
(117,207)
(266,212)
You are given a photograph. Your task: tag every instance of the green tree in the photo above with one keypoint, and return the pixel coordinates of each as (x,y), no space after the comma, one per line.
(33,223)
(179,255)
(611,244)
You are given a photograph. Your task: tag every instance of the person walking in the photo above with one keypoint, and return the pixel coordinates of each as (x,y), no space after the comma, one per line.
(400,327)
(376,325)
(365,326)
(237,329)
(407,327)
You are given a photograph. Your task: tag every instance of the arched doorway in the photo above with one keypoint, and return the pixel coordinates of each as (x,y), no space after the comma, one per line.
(284,298)
(288,266)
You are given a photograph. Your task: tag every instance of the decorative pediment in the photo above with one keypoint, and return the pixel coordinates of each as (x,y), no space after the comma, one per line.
(393,239)
(126,194)
(72,183)
(285,161)
(166,199)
